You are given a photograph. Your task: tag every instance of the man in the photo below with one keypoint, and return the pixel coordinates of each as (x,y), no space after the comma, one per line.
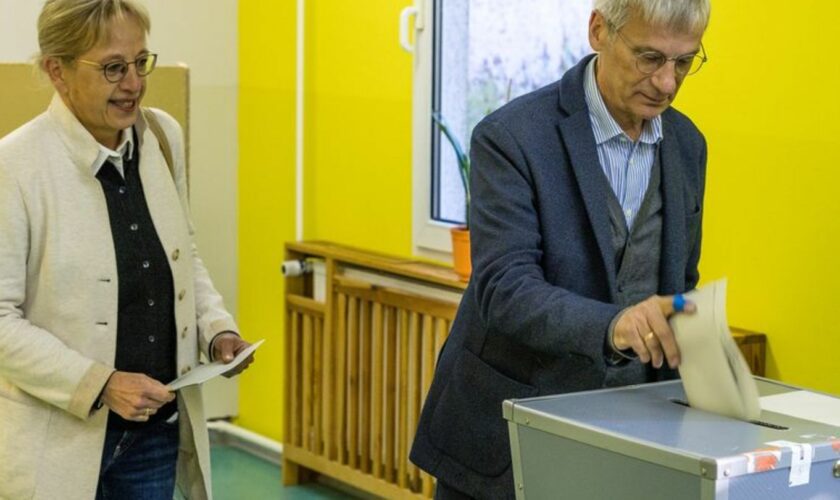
(586,221)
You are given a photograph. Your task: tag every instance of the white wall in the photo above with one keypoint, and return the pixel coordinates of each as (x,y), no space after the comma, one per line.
(18,36)
(204,35)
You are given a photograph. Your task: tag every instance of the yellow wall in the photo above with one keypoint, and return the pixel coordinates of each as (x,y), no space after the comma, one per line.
(358,130)
(768,105)
(765,102)
(266,198)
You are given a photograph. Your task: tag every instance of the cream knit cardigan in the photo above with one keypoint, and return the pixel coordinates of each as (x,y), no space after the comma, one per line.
(58,305)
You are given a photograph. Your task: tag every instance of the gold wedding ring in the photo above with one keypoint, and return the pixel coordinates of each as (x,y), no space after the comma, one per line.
(148,412)
(649,336)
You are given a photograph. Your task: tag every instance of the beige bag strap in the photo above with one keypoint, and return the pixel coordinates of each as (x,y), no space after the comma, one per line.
(165,148)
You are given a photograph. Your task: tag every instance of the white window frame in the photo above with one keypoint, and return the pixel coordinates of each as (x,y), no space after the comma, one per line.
(430,238)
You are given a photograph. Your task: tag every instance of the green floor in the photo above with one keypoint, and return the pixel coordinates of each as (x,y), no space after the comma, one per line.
(238,475)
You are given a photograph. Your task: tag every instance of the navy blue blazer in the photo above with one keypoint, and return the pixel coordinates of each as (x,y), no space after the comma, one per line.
(535,315)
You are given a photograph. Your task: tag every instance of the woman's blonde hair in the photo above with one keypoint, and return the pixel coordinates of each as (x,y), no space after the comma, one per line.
(69,28)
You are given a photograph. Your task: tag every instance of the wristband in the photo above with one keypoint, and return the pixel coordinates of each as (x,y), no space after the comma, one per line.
(679,303)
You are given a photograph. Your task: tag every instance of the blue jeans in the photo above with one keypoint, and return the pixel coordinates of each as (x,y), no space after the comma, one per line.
(139,465)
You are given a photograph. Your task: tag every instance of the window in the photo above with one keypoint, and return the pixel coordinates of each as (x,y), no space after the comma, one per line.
(471,58)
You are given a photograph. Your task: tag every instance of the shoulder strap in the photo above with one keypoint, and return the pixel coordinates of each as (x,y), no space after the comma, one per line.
(165,148)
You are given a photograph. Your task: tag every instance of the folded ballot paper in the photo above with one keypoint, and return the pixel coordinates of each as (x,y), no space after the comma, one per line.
(203,373)
(714,373)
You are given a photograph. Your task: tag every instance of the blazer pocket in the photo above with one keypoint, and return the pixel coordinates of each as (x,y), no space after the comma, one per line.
(467,423)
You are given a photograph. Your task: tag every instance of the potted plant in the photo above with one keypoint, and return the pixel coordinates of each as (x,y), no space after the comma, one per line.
(460,234)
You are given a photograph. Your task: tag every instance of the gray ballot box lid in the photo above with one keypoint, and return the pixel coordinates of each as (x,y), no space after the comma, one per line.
(652,425)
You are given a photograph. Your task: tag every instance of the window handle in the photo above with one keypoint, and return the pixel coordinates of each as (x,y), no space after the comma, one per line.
(405,17)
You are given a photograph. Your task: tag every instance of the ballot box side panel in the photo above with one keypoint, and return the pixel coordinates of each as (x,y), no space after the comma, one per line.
(547,466)
(516,459)
(554,467)
(775,485)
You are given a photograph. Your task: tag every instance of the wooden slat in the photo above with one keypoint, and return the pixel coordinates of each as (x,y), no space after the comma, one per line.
(441,332)
(429,354)
(288,366)
(390,391)
(402,419)
(327,416)
(327,390)
(340,377)
(306,367)
(351,286)
(294,366)
(305,305)
(378,370)
(428,490)
(353,382)
(365,337)
(429,360)
(317,384)
(415,355)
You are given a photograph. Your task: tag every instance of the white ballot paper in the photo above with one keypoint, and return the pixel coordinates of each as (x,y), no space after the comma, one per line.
(714,373)
(203,373)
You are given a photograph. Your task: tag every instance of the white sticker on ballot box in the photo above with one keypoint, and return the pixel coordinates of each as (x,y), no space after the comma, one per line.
(801,455)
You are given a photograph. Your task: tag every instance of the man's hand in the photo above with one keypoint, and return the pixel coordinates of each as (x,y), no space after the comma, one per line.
(644,328)
(226,346)
(135,396)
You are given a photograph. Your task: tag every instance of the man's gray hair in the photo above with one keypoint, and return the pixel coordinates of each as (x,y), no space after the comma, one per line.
(691,16)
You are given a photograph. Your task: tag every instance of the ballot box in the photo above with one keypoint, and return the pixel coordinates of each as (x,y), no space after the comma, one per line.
(645,442)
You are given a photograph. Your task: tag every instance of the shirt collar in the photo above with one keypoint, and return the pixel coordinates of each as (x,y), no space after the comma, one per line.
(604,125)
(124,151)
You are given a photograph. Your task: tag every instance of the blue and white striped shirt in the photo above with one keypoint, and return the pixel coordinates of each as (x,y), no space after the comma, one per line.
(627,164)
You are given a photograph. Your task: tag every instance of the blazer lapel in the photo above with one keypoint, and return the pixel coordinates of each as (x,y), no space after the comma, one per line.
(576,132)
(672,267)
(579,140)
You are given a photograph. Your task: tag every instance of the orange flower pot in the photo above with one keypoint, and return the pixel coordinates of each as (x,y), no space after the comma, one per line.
(461,252)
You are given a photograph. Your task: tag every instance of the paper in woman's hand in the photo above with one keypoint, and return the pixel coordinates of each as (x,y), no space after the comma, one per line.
(714,374)
(203,373)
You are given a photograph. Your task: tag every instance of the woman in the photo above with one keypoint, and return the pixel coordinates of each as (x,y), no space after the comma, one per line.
(103,299)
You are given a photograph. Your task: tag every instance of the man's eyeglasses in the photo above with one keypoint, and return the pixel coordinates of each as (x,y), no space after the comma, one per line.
(649,61)
(115,71)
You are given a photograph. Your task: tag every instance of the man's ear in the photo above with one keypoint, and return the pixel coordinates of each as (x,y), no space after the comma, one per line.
(56,71)
(598,31)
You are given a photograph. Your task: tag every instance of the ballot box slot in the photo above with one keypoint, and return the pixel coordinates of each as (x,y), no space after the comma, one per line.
(754,422)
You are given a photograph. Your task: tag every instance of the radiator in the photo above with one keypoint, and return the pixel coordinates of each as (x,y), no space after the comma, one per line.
(358,367)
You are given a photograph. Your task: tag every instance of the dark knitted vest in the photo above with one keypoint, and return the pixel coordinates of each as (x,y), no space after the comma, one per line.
(637,254)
